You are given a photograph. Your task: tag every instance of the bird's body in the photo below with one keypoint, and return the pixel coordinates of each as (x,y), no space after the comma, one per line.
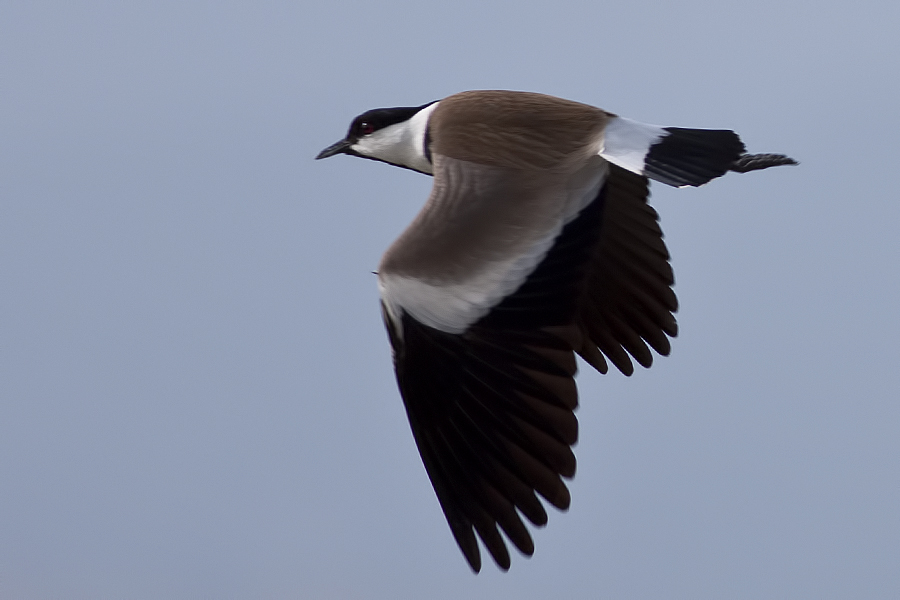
(535,244)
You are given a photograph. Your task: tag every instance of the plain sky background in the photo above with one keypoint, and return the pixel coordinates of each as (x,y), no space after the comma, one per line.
(196,392)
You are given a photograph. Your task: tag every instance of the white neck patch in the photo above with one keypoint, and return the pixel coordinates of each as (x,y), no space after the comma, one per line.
(401,143)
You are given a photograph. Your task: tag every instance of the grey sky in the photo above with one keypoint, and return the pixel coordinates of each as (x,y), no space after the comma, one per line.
(196,394)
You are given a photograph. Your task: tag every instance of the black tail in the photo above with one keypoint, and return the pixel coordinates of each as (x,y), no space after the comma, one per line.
(695,156)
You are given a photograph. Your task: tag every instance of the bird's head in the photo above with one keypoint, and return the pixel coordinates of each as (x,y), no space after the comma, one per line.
(397,136)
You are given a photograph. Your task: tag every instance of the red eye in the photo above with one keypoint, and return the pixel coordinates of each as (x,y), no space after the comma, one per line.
(366,128)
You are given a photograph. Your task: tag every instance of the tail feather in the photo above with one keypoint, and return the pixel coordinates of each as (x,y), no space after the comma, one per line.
(754,162)
(680,157)
(692,156)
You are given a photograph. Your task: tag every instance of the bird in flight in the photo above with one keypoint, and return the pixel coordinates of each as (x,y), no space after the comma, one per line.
(536,244)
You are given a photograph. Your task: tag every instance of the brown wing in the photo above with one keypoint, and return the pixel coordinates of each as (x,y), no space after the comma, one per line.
(628,301)
(492,408)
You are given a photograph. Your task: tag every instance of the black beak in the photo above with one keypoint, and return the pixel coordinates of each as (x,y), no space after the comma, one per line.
(342,147)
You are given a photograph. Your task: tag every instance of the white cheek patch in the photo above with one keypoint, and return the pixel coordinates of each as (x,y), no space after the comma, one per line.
(626,143)
(385,144)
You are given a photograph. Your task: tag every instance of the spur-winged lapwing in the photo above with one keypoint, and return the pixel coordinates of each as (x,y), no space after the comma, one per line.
(536,243)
